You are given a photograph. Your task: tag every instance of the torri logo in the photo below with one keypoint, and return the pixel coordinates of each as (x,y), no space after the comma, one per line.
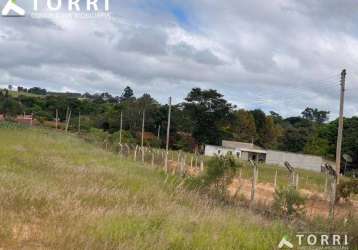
(316,241)
(284,243)
(12,8)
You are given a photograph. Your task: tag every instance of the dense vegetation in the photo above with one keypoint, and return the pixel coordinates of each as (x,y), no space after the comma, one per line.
(204,117)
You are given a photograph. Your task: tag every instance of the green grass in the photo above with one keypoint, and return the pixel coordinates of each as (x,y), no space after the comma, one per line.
(309,180)
(58,192)
(14,93)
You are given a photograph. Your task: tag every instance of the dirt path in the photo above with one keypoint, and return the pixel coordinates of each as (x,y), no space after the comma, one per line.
(316,204)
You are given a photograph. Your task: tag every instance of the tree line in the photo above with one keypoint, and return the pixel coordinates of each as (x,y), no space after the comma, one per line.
(204,117)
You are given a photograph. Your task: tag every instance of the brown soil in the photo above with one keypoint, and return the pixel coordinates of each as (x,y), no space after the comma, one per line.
(316,204)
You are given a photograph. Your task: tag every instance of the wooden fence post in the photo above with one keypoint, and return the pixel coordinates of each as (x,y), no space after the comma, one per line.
(333,183)
(120,149)
(326,184)
(254,181)
(135,153)
(153,159)
(292,178)
(56,118)
(332,197)
(128,150)
(275,181)
(182,166)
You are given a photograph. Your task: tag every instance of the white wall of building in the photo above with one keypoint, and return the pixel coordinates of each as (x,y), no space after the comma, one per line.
(211,150)
(302,161)
(309,162)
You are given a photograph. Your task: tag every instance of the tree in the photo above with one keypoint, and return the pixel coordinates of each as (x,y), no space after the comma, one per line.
(244,127)
(294,139)
(350,138)
(277,118)
(308,114)
(315,115)
(317,146)
(10,107)
(260,119)
(209,113)
(37,91)
(266,128)
(321,116)
(269,134)
(127,94)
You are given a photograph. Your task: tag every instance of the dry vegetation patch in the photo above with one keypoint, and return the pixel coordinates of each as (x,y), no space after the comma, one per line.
(58,192)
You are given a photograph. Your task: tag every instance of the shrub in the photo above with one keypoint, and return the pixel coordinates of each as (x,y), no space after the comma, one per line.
(346,189)
(288,202)
(217,176)
(98,135)
(127,137)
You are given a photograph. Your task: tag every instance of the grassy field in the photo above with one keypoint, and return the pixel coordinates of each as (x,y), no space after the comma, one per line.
(17,94)
(309,180)
(58,192)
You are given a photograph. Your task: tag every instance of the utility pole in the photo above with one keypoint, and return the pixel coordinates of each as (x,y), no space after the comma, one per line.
(66,117)
(68,120)
(143,135)
(56,119)
(79,122)
(168,135)
(340,125)
(159,131)
(120,130)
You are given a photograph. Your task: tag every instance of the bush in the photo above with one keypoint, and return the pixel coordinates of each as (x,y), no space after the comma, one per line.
(217,175)
(346,189)
(127,137)
(12,125)
(98,135)
(288,202)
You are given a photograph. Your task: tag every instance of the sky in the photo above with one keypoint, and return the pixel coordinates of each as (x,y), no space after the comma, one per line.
(280,55)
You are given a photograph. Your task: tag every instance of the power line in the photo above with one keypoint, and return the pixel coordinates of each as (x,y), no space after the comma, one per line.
(328,82)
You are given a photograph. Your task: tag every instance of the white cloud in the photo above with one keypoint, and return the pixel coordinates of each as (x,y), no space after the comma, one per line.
(279,55)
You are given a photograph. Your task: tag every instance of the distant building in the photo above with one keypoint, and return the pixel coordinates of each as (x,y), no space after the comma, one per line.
(146,136)
(249,151)
(25,119)
(303,161)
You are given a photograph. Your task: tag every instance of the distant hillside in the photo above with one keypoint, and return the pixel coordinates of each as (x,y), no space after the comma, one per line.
(62,94)
(203,117)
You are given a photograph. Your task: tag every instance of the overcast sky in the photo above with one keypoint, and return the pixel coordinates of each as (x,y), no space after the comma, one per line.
(281,55)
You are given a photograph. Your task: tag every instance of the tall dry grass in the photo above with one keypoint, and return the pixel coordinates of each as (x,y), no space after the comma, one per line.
(57,192)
